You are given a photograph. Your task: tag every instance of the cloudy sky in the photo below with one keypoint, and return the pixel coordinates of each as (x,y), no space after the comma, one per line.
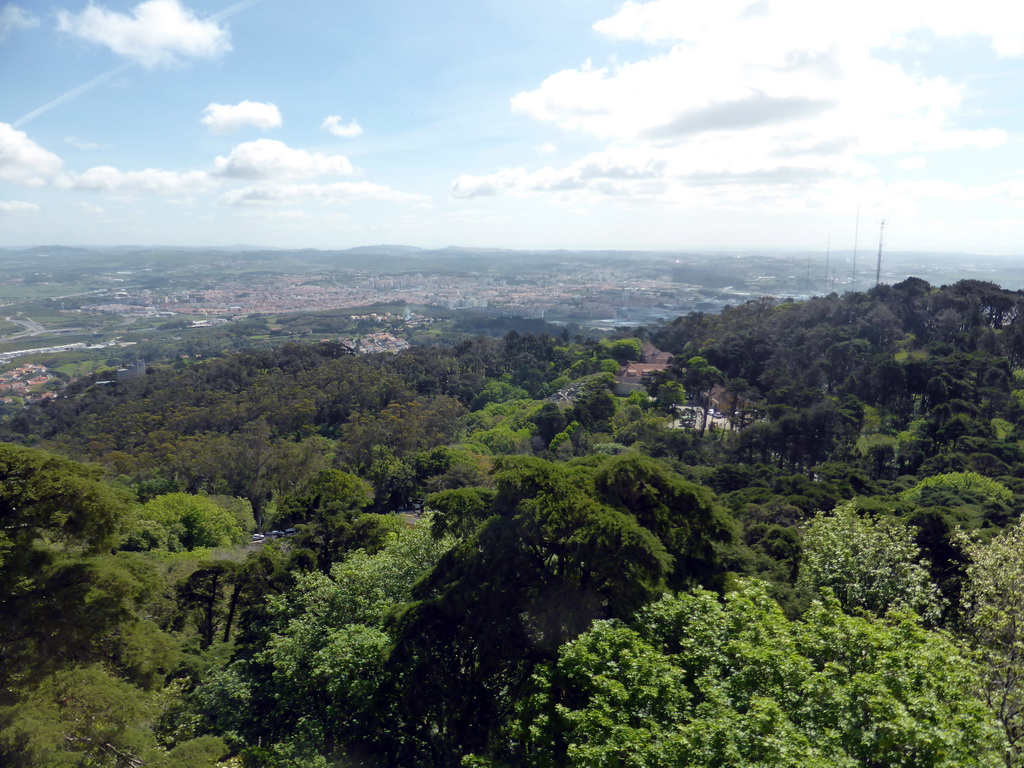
(678,124)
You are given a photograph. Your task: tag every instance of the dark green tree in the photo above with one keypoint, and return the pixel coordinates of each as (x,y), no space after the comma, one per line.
(550,558)
(682,515)
(62,600)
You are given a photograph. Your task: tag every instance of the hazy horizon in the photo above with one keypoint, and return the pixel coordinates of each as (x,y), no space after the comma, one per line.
(865,254)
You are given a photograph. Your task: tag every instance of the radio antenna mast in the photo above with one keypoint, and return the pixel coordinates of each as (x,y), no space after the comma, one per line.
(878,269)
(856,234)
(828,251)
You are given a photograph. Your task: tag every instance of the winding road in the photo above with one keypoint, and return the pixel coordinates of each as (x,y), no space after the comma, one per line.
(32,328)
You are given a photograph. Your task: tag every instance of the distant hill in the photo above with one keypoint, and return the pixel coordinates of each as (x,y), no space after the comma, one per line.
(56,250)
(385,249)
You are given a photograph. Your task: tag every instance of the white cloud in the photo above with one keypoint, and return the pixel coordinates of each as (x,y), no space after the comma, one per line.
(333,124)
(261,215)
(912,163)
(22,160)
(603,173)
(12,17)
(228,118)
(79,144)
(157,33)
(18,208)
(745,99)
(547,148)
(813,25)
(505,180)
(689,91)
(340,193)
(92,210)
(270,159)
(265,160)
(105,178)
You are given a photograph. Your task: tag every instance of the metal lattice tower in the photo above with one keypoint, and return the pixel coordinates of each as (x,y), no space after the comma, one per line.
(878,269)
(856,235)
(828,253)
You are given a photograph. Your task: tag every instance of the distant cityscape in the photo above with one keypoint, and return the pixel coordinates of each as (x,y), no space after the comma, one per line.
(578,295)
(588,287)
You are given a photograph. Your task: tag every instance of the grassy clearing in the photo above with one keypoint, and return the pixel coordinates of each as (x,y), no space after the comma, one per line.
(82,368)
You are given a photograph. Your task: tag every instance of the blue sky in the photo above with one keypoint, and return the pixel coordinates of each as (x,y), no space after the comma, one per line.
(670,124)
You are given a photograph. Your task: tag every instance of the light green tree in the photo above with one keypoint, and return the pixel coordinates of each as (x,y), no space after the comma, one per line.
(623,350)
(498,391)
(993,599)
(694,682)
(869,563)
(363,586)
(310,689)
(968,485)
(176,521)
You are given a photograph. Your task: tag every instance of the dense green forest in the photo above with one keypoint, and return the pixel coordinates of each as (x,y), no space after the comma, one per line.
(797,545)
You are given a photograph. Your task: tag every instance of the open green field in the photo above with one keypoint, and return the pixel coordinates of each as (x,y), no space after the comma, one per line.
(44,313)
(76,363)
(28,292)
(47,340)
(81,367)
